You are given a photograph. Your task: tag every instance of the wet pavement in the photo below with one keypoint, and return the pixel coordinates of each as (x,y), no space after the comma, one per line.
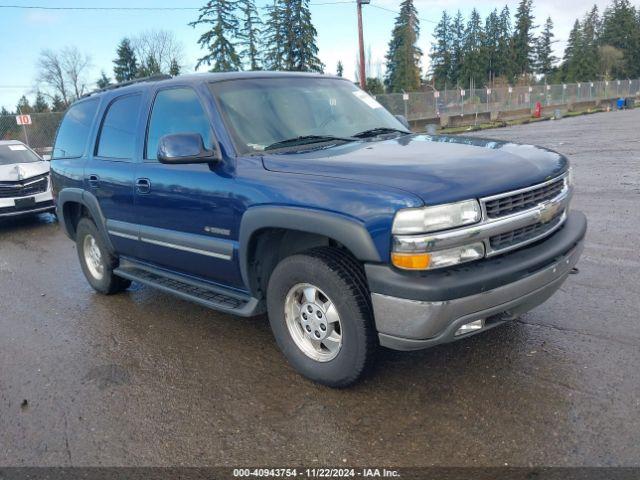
(143,378)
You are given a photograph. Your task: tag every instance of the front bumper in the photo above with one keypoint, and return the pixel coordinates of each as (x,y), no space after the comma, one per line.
(43,202)
(422,310)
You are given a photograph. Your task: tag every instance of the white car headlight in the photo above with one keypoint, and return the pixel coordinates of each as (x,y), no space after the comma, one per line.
(439,217)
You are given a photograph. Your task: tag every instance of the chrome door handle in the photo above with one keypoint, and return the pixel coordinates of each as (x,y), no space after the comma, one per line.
(94,180)
(143,185)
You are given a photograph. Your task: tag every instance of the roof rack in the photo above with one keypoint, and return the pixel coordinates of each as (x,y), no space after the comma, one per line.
(152,78)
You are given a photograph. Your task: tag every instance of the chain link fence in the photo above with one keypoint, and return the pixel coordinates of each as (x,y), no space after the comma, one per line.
(416,106)
(40,135)
(434,104)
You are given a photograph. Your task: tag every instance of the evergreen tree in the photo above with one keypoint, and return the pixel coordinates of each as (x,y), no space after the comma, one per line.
(504,56)
(219,17)
(103,81)
(545,59)
(24,106)
(491,44)
(473,62)
(572,54)
(150,67)
(591,27)
(273,36)
(4,112)
(374,86)
(57,104)
(457,51)
(523,39)
(40,105)
(339,68)
(125,66)
(403,57)
(174,68)
(441,51)
(300,52)
(249,33)
(621,29)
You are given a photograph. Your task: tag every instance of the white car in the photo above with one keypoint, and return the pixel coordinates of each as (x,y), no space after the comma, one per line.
(25,183)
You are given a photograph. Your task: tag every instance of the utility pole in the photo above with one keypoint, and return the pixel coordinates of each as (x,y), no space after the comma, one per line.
(362,73)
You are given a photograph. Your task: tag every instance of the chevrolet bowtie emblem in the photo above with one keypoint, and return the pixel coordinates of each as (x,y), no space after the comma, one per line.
(549,211)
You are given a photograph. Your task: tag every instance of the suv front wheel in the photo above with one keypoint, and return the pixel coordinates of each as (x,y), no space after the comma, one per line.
(320,314)
(96,261)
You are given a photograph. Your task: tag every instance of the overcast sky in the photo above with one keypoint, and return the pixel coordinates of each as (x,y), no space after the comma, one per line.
(24,33)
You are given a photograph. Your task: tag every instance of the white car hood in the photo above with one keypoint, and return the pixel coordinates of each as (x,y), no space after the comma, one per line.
(22,171)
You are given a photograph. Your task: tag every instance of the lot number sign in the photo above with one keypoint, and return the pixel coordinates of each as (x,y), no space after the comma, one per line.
(23,119)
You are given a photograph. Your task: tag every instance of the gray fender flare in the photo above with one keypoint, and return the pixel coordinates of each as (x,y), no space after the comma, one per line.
(90,202)
(349,232)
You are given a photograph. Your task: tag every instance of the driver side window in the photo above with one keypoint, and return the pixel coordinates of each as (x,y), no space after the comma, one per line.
(176,110)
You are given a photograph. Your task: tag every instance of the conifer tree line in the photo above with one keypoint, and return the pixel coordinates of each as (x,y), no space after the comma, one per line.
(504,50)
(240,37)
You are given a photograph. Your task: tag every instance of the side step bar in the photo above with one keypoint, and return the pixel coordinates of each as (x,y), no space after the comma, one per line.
(203,293)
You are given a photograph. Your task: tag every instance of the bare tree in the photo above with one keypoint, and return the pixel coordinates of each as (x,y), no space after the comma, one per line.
(160,45)
(610,58)
(51,73)
(63,73)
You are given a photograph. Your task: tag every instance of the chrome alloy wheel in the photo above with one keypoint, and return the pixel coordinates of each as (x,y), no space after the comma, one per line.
(93,257)
(313,322)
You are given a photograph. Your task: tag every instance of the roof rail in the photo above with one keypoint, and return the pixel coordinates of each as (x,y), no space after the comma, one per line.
(152,78)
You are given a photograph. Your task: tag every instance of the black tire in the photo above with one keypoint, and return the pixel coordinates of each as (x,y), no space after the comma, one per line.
(342,279)
(109,283)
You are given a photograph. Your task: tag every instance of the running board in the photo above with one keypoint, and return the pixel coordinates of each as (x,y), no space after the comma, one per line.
(203,293)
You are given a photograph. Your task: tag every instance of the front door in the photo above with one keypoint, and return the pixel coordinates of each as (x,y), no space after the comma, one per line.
(183,211)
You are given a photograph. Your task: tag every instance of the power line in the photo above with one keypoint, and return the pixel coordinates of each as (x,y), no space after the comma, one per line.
(143,9)
(397,13)
(168,9)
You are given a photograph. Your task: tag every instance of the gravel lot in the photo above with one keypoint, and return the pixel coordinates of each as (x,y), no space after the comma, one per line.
(144,378)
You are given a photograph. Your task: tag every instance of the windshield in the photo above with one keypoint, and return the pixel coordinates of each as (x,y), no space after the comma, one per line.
(10,154)
(262,112)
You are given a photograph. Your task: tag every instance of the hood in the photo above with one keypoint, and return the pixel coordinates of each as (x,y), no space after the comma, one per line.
(439,169)
(22,171)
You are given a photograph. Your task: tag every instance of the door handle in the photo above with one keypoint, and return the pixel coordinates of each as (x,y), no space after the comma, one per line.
(143,185)
(94,180)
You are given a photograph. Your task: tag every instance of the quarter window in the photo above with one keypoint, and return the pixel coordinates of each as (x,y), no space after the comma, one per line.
(74,130)
(118,132)
(176,110)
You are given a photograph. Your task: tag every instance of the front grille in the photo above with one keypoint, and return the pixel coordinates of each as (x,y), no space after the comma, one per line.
(518,202)
(524,234)
(24,188)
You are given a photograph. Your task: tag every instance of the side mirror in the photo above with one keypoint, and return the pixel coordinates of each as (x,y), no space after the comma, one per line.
(181,148)
(403,120)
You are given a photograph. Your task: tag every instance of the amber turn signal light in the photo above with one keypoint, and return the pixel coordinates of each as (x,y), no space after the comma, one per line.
(411,261)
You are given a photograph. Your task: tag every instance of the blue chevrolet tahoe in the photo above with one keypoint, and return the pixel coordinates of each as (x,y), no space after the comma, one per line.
(299,196)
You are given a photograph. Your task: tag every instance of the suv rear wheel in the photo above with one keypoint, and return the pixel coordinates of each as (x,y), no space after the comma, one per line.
(96,261)
(320,315)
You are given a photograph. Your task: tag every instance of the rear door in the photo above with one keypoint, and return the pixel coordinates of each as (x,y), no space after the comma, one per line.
(185,212)
(110,171)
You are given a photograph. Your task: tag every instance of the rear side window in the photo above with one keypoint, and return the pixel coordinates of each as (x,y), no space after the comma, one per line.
(118,132)
(74,130)
(176,110)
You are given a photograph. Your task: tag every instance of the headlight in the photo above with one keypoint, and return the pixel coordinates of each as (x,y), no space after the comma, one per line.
(439,217)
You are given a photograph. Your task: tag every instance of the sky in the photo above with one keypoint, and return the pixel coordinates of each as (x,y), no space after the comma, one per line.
(24,33)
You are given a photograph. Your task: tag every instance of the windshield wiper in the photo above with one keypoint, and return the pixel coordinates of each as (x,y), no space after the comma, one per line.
(307,140)
(374,132)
